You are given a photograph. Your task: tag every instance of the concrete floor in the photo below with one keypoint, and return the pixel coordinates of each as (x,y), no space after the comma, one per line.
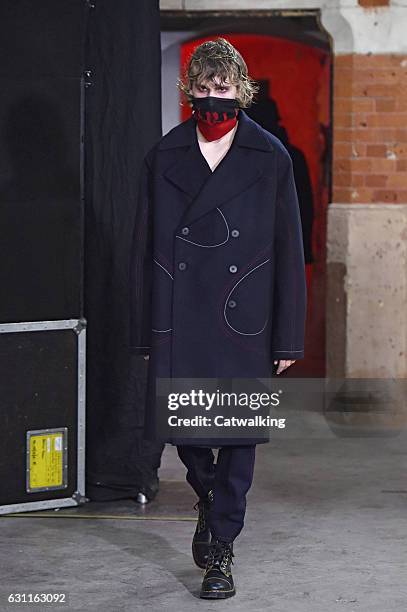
(326,530)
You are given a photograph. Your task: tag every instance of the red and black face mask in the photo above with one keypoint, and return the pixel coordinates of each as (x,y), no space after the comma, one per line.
(215,116)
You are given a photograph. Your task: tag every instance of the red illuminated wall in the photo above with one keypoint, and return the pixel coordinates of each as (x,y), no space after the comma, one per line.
(299,82)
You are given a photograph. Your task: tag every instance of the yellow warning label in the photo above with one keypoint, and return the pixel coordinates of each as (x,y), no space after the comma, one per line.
(46,460)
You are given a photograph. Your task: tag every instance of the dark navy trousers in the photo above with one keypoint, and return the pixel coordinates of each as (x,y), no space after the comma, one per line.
(229,478)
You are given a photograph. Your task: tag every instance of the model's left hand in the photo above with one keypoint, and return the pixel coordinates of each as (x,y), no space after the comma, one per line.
(283,364)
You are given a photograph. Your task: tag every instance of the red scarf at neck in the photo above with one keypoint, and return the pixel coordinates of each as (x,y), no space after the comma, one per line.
(212,128)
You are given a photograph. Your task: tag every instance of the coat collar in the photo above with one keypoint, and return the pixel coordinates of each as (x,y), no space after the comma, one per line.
(248,134)
(238,170)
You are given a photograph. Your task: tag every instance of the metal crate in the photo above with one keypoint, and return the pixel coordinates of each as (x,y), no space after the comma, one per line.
(42,395)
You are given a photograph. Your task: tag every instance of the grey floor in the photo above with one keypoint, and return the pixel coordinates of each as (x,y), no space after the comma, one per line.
(326,530)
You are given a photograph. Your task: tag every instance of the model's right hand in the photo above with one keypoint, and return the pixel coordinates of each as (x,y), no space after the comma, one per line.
(283,364)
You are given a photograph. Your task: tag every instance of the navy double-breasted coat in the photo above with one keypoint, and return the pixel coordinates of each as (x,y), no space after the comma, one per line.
(217,277)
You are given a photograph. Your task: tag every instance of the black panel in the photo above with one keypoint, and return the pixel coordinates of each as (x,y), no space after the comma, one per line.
(38,387)
(40,199)
(41,38)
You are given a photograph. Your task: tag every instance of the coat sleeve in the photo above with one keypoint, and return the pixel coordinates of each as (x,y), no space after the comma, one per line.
(140,268)
(289,287)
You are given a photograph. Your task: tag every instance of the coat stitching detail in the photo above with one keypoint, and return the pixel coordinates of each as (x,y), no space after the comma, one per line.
(209,246)
(165,270)
(162,331)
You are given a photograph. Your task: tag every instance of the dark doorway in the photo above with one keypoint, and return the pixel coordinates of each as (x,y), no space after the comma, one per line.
(290,57)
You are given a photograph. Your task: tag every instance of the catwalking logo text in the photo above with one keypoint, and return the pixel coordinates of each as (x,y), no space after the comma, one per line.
(222,421)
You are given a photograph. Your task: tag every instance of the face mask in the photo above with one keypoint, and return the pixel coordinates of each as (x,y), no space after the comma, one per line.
(215,116)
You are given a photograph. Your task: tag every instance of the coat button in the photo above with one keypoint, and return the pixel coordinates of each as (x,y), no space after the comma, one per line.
(182,265)
(185,231)
(233,269)
(235,233)
(232,304)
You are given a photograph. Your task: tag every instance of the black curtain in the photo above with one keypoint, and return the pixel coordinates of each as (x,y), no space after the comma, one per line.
(122,121)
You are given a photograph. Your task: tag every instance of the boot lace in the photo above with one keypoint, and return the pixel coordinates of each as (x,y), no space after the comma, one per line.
(202,506)
(220,556)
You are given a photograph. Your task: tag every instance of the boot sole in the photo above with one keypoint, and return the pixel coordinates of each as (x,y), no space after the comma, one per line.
(217,594)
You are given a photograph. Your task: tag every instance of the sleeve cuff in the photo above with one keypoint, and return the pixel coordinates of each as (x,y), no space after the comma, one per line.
(298,354)
(140,350)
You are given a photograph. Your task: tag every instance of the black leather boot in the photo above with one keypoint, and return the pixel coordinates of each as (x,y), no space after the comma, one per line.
(202,536)
(218,581)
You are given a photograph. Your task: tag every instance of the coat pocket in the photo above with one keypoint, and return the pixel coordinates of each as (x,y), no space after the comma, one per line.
(247,304)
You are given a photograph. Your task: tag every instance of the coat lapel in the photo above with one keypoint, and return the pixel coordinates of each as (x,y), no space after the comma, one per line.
(241,167)
(190,169)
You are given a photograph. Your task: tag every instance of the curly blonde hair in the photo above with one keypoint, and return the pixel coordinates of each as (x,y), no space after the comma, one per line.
(218,58)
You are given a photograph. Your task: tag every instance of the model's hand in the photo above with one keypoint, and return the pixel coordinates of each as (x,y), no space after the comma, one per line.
(146,357)
(283,364)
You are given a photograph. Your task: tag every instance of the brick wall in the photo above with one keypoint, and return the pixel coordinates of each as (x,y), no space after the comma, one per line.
(370,129)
